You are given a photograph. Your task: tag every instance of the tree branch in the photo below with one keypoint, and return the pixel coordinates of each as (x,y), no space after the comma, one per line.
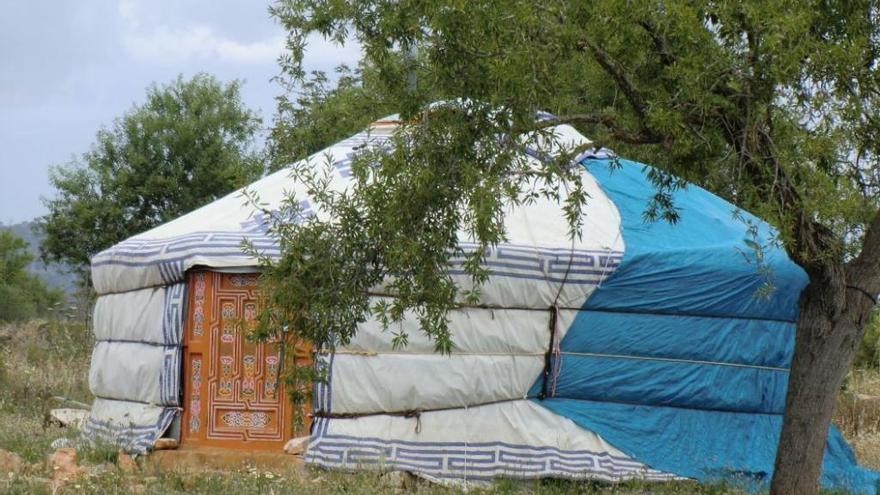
(618,132)
(864,271)
(614,69)
(660,43)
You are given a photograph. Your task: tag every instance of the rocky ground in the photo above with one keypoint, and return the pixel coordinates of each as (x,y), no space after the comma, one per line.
(41,361)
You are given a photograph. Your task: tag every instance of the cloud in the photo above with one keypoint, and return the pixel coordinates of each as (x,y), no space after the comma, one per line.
(171,34)
(161,37)
(67,70)
(200,42)
(128,12)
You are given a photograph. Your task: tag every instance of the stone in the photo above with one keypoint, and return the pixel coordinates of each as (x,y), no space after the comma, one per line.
(10,462)
(398,480)
(63,443)
(125,462)
(165,444)
(297,446)
(64,467)
(68,417)
(101,469)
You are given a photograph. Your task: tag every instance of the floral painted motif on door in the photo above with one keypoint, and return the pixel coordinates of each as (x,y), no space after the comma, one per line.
(233,395)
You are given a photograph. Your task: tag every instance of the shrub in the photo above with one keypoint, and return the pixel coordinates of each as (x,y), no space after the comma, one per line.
(22,296)
(868,355)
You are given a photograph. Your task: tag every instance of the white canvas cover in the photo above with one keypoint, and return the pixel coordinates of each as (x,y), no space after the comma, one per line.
(135,369)
(498,354)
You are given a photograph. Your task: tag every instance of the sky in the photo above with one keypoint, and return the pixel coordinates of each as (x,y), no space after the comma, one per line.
(67,68)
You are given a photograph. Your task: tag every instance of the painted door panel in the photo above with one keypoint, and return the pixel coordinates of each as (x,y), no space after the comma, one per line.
(232,393)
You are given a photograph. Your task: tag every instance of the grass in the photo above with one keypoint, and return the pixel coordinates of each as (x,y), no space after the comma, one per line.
(112,481)
(40,359)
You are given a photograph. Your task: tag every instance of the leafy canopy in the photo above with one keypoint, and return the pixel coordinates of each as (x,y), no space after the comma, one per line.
(189,143)
(769,104)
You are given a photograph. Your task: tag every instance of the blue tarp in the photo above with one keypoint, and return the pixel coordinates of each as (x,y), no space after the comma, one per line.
(707,445)
(678,359)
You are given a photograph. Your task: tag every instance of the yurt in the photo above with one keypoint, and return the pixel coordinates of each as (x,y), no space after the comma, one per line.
(641,350)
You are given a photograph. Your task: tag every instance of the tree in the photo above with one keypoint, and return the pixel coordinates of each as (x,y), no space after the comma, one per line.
(22,296)
(772,105)
(189,143)
(313,115)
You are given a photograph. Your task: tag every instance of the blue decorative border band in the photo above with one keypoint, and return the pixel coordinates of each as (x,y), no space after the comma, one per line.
(471,461)
(169,378)
(169,256)
(174,307)
(132,438)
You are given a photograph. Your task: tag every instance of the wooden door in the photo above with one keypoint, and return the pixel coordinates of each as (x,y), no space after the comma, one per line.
(233,396)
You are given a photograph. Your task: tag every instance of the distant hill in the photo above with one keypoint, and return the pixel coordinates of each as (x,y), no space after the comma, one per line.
(54,275)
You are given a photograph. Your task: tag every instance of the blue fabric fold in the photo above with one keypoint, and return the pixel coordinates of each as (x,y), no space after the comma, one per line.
(754,342)
(670,383)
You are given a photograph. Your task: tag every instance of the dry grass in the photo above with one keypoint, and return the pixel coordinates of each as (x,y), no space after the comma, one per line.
(42,359)
(858,415)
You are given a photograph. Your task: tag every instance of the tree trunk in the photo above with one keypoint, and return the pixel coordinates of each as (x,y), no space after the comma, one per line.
(829,329)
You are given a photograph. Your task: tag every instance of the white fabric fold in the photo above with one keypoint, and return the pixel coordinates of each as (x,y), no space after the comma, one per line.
(513,439)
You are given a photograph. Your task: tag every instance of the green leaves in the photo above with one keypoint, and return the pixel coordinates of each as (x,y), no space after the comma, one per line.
(314,114)
(190,142)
